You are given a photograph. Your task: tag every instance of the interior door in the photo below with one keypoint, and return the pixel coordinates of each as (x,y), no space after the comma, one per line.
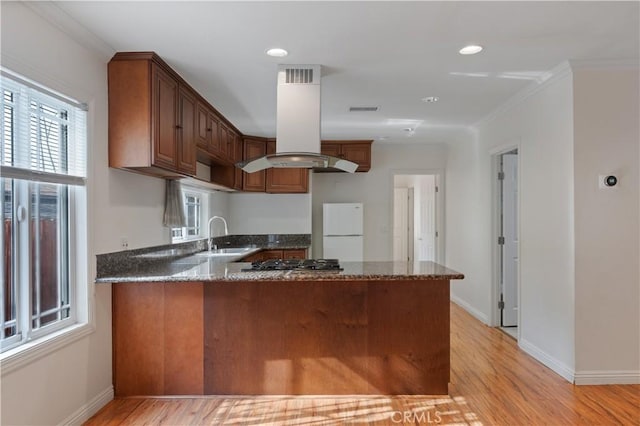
(400,225)
(428,218)
(510,234)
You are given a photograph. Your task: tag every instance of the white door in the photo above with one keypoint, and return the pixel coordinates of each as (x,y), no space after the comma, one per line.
(400,225)
(411,234)
(427,208)
(510,234)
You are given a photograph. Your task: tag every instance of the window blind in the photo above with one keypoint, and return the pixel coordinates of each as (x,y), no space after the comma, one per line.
(42,134)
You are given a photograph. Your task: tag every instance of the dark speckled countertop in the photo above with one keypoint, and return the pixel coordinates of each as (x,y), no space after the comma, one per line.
(201,269)
(185,262)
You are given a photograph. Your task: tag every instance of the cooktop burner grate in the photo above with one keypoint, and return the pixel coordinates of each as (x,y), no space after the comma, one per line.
(295,265)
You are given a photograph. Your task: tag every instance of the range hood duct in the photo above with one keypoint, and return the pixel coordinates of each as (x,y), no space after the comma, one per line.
(298,124)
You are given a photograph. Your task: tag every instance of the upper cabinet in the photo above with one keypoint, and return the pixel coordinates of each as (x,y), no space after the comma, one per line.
(160,126)
(254,147)
(152,117)
(280,181)
(187,107)
(357,151)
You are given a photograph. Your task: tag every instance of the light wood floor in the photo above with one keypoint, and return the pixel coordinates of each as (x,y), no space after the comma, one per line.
(492,383)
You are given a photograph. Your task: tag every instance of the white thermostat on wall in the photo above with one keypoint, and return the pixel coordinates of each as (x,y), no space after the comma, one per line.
(607,181)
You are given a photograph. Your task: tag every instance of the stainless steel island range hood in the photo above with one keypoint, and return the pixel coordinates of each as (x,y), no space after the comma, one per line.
(298,124)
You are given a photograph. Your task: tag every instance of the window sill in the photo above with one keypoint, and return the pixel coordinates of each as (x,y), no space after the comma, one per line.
(23,355)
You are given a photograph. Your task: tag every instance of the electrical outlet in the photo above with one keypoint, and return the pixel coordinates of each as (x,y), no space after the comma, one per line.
(124,243)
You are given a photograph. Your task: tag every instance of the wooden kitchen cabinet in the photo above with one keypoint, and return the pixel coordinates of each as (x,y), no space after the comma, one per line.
(151,117)
(160,126)
(186,159)
(254,147)
(164,110)
(238,149)
(353,150)
(229,175)
(157,333)
(208,130)
(285,181)
(276,254)
(294,254)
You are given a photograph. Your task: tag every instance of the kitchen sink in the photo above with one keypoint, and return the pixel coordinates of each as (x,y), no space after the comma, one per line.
(236,251)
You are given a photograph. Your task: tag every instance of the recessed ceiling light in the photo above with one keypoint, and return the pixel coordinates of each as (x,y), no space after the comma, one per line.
(430,99)
(277,52)
(472,49)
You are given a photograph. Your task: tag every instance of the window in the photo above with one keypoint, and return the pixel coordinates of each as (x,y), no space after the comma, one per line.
(193,207)
(42,179)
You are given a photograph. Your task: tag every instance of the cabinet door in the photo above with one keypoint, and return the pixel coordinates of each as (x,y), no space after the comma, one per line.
(358,153)
(254,182)
(224,142)
(164,114)
(203,127)
(214,139)
(187,132)
(332,149)
(285,181)
(237,148)
(264,255)
(294,254)
(271,254)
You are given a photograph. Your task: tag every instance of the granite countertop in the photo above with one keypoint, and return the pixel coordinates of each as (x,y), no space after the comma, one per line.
(186,262)
(201,268)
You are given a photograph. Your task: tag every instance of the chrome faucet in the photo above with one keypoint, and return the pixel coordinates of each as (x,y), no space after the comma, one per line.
(226,230)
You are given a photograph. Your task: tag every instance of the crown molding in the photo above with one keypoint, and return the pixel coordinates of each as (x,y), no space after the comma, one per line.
(550,77)
(57,17)
(609,64)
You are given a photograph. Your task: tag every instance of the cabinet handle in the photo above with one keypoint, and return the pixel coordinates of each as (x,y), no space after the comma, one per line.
(208,130)
(178,126)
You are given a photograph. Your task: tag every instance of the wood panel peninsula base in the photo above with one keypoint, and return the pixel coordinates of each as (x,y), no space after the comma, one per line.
(281,337)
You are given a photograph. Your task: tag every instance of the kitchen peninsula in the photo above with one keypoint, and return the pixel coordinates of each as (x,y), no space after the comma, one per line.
(195,324)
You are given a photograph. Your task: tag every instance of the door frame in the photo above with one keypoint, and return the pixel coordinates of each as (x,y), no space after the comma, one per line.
(439,208)
(495,232)
(402,211)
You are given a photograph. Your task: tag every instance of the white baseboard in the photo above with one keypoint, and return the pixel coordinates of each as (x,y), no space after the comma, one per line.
(546,359)
(607,377)
(467,307)
(83,413)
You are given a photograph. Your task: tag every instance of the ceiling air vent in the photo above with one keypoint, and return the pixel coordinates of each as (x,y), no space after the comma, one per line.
(299,76)
(363,109)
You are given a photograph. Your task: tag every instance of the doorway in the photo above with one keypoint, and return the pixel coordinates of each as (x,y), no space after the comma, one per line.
(508,241)
(415,218)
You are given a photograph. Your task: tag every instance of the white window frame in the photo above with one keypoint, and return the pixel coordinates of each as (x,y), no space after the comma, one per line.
(38,341)
(179,235)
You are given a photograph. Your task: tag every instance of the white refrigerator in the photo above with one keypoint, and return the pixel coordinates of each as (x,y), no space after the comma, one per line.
(342,231)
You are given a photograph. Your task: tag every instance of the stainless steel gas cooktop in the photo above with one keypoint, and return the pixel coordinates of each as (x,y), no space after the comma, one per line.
(295,265)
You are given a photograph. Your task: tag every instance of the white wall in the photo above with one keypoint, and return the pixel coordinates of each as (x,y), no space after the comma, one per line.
(541,126)
(606,225)
(468,225)
(64,384)
(375,190)
(269,213)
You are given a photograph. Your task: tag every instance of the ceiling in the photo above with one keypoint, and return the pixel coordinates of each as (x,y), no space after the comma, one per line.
(385,54)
